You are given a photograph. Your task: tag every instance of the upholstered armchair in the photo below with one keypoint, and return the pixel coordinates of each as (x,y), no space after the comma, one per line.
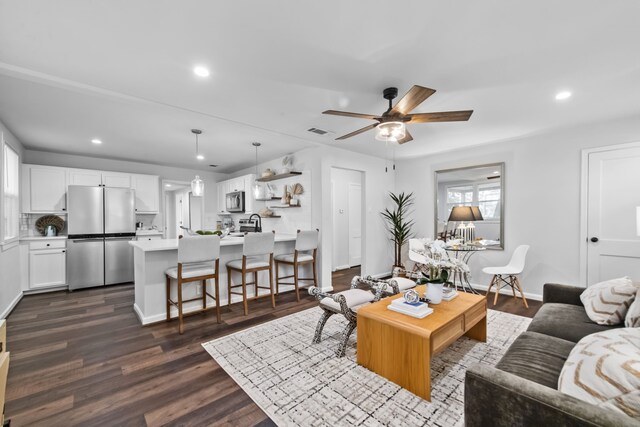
(347,304)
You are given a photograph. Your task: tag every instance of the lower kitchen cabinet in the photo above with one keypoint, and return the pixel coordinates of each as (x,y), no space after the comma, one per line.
(46,264)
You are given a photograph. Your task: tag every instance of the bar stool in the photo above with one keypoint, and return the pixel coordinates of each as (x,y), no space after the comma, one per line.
(198,261)
(256,246)
(305,241)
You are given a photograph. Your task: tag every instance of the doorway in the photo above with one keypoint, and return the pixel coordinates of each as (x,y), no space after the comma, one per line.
(181,208)
(611,227)
(347,212)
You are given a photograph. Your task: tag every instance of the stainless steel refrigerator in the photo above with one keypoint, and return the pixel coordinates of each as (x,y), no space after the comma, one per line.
(101,222)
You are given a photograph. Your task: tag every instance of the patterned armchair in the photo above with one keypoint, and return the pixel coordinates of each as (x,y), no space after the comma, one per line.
(346,303)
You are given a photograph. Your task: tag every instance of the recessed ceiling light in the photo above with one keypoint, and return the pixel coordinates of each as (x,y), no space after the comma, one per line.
(561,96)
(496,172)
(200,157)
(96,141)
(201,71)
(167,185)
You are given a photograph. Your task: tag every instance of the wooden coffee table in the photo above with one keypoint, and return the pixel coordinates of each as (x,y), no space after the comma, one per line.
(400,347)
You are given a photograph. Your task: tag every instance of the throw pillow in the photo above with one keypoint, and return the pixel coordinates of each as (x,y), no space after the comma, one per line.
(604,369)
(606,303)
(403,283)
(632,320)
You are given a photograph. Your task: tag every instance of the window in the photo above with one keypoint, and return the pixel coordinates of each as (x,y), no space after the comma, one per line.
(10,193)
(485,196)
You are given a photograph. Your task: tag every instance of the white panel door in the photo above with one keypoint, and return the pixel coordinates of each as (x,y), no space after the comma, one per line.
(355,224)
(613,247)
(47,189)
(84,177)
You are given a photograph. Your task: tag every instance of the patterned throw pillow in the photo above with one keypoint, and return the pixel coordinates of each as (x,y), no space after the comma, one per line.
(604,369)
(606,303)
(633,314)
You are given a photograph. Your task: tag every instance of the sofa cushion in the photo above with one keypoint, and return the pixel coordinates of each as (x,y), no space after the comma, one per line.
(603,369)
(567,321)
(536,357)
(607,302)
(632,320)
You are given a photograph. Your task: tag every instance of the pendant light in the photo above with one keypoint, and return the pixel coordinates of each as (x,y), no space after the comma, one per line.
(257,189)
(197,185)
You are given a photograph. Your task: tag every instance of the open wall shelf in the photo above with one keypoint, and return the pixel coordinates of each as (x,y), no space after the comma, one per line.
(279,176)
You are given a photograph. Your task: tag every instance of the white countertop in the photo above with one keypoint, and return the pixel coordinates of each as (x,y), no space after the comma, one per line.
(31,238)
(148,232)
(172,244)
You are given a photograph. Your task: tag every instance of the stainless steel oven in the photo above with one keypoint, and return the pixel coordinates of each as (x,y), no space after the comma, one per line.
(235,201)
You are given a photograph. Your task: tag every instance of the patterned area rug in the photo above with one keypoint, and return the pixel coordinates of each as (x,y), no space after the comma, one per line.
(297,383)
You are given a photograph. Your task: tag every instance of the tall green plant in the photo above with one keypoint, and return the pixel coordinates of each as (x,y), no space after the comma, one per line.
(398,225)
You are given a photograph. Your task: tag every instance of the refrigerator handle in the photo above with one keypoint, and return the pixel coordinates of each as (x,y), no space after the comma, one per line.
(85,240)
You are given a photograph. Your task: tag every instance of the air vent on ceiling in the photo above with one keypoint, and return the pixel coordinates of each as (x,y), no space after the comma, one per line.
(318,131)
(214,166)
(493,177)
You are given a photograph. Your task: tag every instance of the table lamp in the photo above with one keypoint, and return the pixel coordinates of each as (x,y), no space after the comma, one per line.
(462,214)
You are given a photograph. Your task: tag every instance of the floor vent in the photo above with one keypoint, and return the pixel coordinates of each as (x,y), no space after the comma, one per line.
(318,131)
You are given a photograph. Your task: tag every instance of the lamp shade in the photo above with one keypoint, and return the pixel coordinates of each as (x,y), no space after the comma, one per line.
(477,213)
(197,186)
(465,213)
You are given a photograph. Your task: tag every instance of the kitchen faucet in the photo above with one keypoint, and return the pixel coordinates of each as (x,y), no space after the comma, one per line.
(259,227)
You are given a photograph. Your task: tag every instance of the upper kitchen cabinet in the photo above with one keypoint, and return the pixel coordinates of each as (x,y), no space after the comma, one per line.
(147,188)
(44,189)
(115,179)
(84,177)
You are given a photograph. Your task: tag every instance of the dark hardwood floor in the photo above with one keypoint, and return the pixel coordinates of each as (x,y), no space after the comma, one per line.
(82,358)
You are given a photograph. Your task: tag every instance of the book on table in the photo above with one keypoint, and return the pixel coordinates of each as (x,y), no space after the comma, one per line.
(415,309)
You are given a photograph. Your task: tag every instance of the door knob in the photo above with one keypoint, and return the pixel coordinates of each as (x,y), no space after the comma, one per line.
(594,239)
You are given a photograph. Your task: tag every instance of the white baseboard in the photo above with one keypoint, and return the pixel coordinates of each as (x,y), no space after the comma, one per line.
(46,290)
(342,267)
(380,275)
(507,291)
(11,306)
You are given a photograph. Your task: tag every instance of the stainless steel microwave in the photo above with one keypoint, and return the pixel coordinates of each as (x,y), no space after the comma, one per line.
(235,201)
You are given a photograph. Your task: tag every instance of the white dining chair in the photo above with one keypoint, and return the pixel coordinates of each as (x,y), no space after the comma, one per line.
(198,261)
(511,272)
(257,255)
(305,252)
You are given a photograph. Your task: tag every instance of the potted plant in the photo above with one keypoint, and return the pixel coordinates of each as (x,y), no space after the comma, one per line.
(398,224)
(435,283)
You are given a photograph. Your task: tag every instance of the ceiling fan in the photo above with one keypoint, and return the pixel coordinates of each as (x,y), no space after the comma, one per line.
(391,124)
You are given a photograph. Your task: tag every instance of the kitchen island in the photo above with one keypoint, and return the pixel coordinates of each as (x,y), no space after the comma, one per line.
(153,257)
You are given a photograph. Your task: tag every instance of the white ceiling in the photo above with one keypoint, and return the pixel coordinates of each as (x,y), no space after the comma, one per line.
(122,71)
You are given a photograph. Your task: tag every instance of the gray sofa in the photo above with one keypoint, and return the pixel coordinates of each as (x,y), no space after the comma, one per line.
(521,390)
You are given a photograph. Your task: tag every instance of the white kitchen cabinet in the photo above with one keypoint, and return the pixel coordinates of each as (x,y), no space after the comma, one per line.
(236,184)
(44,189)
(84,177)
(147,188)
(222,193)
(47,267)
(24,266)
(115,179)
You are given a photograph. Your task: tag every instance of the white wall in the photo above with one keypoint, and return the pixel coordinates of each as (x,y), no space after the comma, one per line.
(10,292)
(317,162)
(542,196)
(340,180)
(165,172)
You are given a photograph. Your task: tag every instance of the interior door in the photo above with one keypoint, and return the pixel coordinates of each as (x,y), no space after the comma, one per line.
(613,247)
(355,224)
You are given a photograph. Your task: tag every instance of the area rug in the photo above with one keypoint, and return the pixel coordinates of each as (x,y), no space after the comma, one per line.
(297,383)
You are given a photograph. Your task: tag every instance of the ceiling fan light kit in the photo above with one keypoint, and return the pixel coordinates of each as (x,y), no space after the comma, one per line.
(391,131)
(391,125)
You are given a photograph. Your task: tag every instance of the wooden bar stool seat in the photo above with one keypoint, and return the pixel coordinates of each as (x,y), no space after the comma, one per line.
(306,241)
(198,261)
(257,255)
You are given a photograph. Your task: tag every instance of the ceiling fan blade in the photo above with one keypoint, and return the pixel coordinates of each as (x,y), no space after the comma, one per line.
(359,131)
(444,116)
(407,137)
(349,114)
(413,98)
